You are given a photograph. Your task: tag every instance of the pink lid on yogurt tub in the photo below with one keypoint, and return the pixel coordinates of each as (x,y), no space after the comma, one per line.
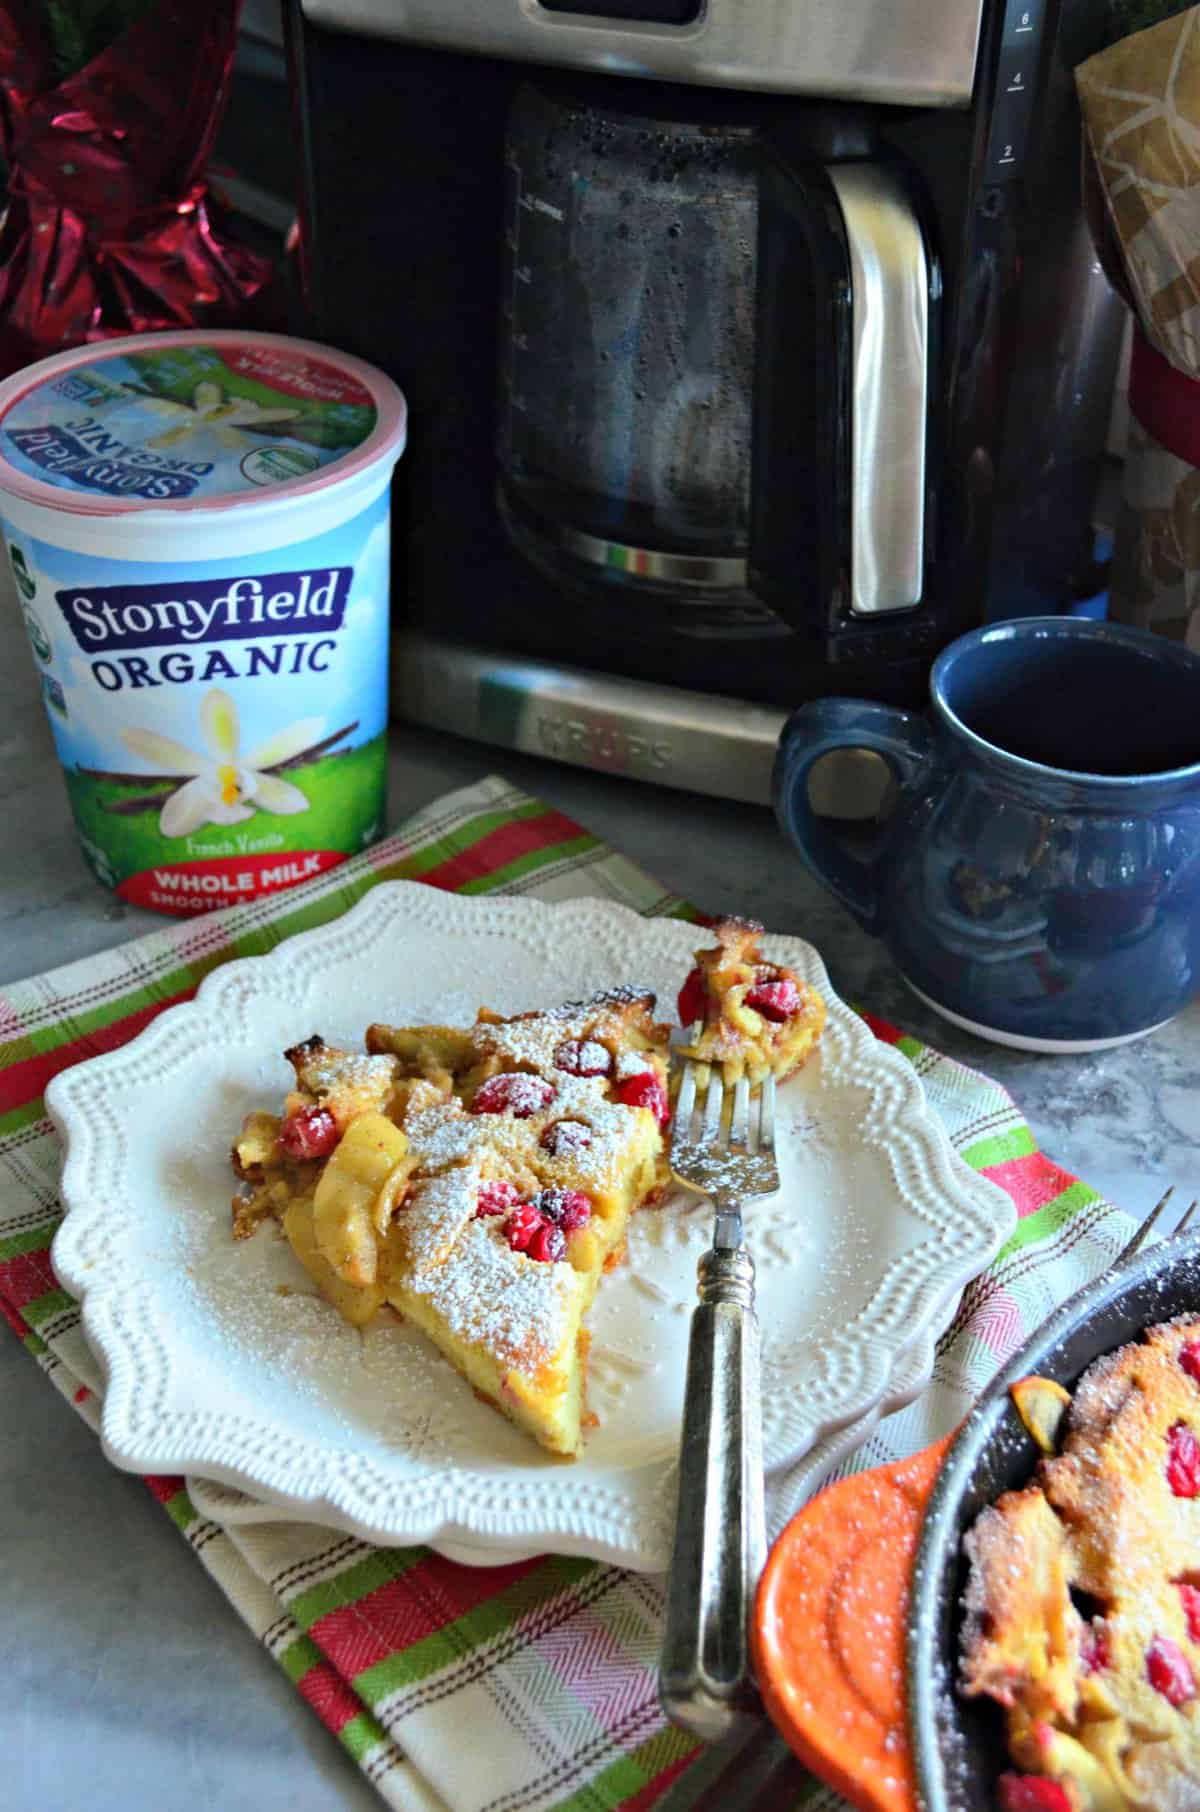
(289,384)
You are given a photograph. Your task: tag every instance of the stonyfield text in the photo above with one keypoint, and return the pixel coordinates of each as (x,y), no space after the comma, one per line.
(206,610)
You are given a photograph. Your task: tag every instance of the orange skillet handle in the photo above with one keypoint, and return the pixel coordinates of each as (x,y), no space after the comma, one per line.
(828,1630)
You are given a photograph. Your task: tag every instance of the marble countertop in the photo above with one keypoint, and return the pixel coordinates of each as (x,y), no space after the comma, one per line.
(112,1701)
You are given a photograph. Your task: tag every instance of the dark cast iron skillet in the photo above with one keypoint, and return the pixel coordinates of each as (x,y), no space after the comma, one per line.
(958,1744)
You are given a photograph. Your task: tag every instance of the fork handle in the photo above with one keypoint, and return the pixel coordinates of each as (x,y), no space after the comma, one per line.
(705,1683)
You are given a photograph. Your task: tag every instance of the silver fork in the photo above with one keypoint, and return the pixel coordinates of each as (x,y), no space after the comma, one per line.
(705,1682)
(1167,1218)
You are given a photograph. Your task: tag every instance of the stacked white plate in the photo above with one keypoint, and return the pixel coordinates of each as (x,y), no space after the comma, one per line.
(222,1363)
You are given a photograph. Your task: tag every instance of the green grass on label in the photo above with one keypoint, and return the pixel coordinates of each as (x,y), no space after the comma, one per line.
(345,790)
(175,371)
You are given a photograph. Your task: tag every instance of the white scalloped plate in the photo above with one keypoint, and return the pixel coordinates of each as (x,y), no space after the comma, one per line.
(215,1370)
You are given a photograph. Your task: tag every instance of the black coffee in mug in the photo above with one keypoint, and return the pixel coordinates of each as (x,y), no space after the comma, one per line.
(1081,705)
(1039,880)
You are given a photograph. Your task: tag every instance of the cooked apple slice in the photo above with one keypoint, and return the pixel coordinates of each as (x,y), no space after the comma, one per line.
(344,1203)
(1041,1405)
(357,1305)
(1054,1753)
(256,1147)
(391,1193)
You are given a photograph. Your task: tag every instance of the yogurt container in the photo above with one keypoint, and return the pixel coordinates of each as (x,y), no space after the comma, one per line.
(198,530)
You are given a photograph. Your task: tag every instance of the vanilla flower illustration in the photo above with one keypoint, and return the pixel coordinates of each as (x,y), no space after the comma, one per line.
(211,408)
(224,786)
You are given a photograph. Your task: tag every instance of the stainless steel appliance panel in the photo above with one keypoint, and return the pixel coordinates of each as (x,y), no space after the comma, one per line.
(908,52)
(699,742)
(694,740)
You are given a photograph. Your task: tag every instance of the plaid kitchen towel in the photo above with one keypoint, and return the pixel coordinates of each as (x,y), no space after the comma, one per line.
(548,1664)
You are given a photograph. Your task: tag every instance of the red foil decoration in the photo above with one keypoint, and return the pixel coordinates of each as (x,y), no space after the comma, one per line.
(109,228)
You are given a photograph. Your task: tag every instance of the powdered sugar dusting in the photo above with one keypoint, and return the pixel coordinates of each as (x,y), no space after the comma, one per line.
(350,1070)
(566,1138)
(533,1040)
(627,995)
(617,1133)
(536,1042)
(519,1309)
(375,1387)
(514,1092)
(435,1212)
(446,1134)
(486,1291)
(583,1057)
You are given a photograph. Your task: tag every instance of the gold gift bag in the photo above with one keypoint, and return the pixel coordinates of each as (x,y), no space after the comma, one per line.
(1141,111)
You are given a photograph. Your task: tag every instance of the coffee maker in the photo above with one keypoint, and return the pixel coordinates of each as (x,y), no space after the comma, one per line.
(709,314)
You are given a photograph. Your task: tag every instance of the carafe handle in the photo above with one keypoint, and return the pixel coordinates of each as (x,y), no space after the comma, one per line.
(847,323)
(889,388)
(816,729)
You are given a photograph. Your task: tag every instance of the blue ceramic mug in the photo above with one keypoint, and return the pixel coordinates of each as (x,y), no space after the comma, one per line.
(1039,879)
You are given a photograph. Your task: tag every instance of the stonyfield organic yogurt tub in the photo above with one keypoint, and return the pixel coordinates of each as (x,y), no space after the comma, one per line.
(197,525)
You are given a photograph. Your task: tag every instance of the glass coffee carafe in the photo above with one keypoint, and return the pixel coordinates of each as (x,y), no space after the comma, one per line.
(675,344)
(628,355)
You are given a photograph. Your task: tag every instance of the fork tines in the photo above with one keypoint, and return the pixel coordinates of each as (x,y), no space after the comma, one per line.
(716,1115)
(1168,1221)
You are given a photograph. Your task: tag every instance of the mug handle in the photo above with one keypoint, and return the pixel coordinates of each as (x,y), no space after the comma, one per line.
(904,741)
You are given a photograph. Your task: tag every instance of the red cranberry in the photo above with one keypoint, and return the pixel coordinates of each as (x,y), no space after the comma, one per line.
(583,1057)
(514,1092)
(1189,1359)
(311,1133)
(1030,1793)
(548,1244)
(646,1090)
(775,1000)
(1168,1671)
(521,1225)
(566,1208)
(562,1138)
(1183,1461)
(1093,1649)
(1190,1597)
(693,999)
(495,1198)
